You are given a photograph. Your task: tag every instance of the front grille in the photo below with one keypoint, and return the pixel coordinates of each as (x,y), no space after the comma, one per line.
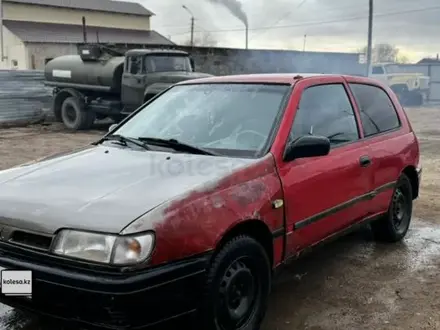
(31,240)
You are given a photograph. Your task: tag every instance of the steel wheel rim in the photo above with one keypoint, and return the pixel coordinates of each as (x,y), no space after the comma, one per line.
(400,210)
(239,290)
(70,113)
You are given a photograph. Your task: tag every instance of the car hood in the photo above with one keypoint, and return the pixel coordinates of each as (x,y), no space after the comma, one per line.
(102,188)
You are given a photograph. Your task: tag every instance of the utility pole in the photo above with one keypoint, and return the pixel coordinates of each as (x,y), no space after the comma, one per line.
(370,37)
(304,43)
(192,24)
(1,33)
(192,31)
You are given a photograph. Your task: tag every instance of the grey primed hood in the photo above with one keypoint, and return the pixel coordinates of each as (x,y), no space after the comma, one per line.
(101,188)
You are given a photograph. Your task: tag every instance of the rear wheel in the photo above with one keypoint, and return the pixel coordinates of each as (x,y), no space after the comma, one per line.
(238,286)
(74,116)
(394,226)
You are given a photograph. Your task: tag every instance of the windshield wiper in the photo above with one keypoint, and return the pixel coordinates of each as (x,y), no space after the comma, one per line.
(176,145)
(124,139)
(333,138)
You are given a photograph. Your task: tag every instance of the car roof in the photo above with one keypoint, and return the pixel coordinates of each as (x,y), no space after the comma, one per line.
(273,78)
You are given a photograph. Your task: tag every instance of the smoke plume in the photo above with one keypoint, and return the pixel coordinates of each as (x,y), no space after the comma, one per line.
(235,7)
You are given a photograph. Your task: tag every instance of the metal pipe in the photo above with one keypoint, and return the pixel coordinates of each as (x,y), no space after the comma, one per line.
(84,29)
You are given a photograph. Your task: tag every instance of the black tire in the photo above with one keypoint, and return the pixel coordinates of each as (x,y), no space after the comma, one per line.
(394,226)
(74,116)
(241,272)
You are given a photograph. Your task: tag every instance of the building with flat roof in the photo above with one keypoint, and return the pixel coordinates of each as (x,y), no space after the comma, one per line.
(35,31)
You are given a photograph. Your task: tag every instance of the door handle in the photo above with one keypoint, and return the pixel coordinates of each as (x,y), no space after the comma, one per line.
(365,161)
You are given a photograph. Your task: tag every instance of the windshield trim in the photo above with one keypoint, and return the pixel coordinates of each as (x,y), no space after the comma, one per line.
(244,153)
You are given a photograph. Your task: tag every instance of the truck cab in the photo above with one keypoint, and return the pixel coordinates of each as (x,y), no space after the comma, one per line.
(411,87)
(103,81)
(148,72)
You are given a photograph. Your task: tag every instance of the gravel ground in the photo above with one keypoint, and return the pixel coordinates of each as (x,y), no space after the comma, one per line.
(353,283)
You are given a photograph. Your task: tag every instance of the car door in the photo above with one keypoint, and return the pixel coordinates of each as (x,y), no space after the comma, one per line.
(381,129)
(133,85)
(325,194)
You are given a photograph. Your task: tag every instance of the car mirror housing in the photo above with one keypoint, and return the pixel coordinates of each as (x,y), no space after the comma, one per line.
(112,127)
(307,146)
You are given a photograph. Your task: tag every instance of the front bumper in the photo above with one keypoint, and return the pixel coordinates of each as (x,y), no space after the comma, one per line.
(107,299)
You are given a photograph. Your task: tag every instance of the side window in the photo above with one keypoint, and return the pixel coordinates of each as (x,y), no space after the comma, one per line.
(134,64)
(377,111)
(378,70)
(326,110)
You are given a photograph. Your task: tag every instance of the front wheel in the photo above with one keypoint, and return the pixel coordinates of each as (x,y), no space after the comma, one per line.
(394,225)
(238,286)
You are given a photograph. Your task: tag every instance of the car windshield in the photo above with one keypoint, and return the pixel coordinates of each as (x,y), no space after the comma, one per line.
(230,119)
(166,63)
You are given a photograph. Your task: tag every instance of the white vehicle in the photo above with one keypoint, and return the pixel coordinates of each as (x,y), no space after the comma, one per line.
(410,87)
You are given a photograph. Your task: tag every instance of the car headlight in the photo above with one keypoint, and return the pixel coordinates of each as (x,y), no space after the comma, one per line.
(109,249)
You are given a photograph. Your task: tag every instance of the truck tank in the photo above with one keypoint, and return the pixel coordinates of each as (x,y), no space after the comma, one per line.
(72,71)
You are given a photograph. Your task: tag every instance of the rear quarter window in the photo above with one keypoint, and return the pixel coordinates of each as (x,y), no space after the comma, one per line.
(378,114)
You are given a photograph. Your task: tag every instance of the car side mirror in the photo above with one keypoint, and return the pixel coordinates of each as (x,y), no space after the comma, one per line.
(307,146)
(112,127)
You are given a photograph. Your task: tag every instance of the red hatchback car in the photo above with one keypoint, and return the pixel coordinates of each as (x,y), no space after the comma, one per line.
(191,203)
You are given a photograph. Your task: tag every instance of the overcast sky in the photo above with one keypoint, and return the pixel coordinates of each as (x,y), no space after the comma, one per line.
(330,25)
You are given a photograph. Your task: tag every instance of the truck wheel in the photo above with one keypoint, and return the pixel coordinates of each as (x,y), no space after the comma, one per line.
(393,226)
(74,116)
(237,287)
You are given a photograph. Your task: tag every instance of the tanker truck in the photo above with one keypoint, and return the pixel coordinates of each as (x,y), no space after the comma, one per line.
(101,82)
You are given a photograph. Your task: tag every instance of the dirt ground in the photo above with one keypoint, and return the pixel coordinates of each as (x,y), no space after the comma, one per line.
(354,283)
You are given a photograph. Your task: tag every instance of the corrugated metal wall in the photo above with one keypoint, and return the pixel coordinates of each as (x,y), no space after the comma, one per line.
(22,96)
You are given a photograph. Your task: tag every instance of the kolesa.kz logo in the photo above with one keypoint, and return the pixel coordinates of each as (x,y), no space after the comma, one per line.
(26,282)
(16,282)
